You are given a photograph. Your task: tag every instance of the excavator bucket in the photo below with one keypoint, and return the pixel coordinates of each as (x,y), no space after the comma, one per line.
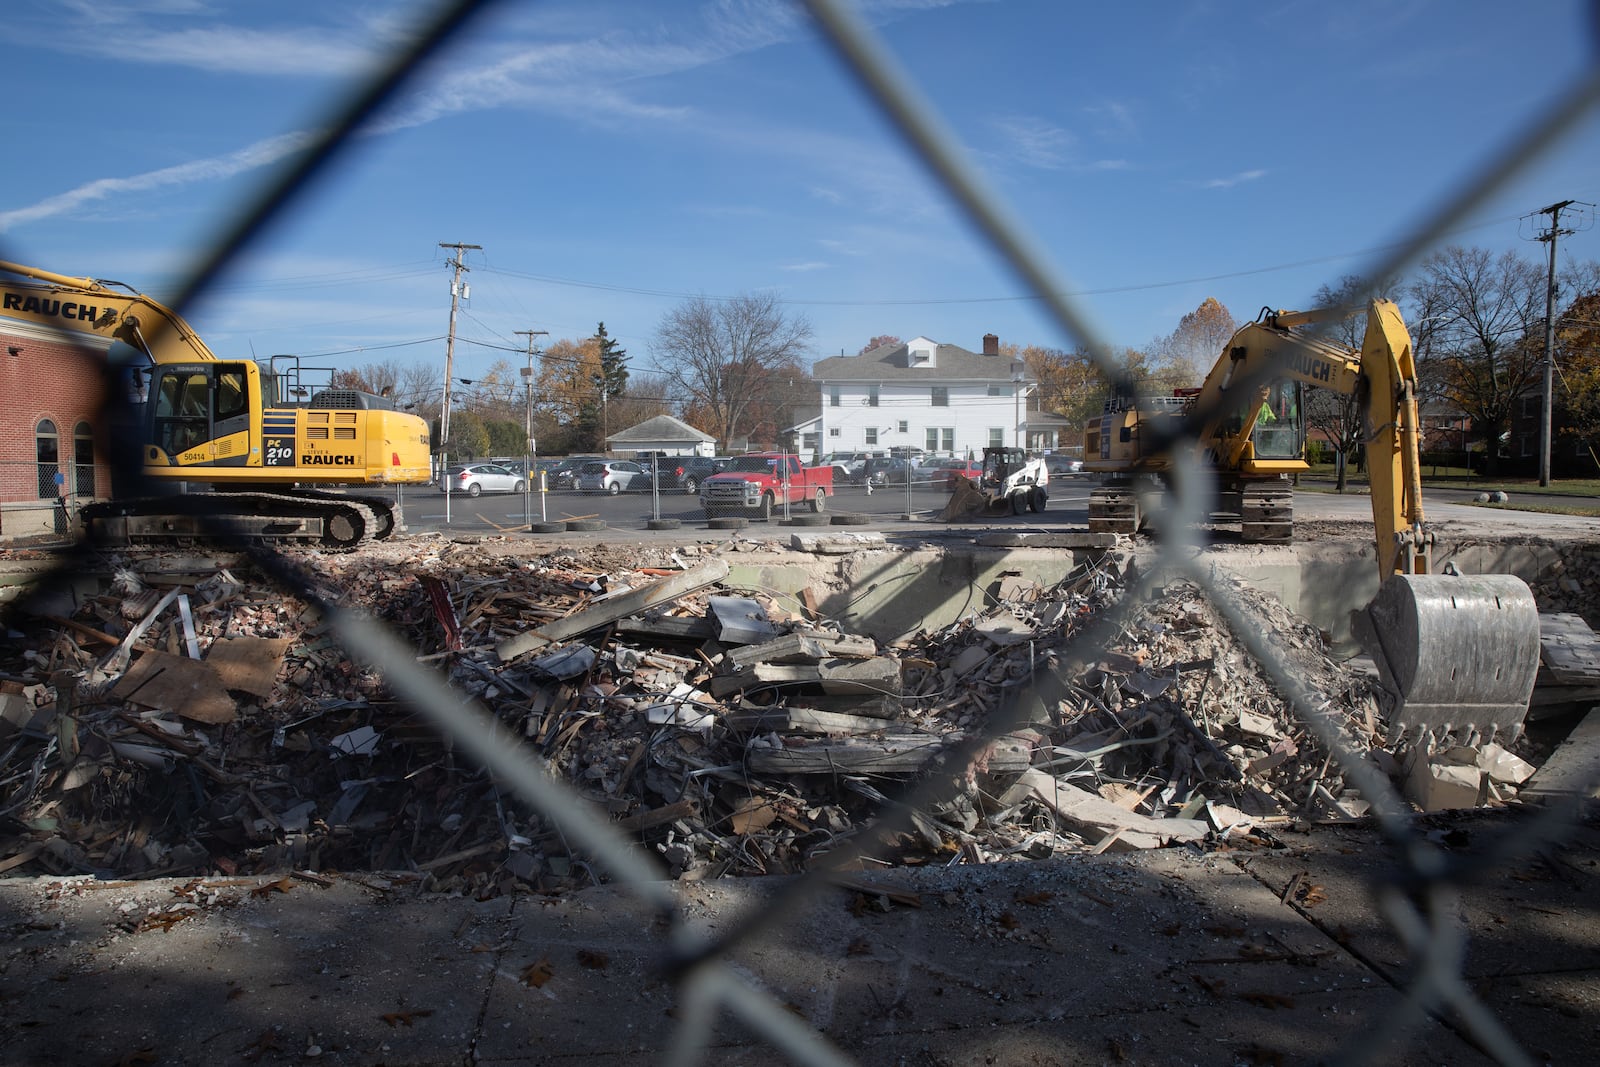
(1459,651)
(966,501)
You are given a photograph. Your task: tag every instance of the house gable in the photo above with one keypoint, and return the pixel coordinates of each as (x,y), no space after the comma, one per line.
(922,352)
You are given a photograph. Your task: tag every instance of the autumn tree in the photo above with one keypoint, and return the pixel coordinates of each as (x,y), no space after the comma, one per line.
(878,342)
(1578,359)
(726,356)
(568,396)
(1477,330)
(1190,351)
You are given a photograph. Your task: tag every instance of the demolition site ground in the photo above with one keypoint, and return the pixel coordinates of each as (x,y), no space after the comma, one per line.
(1023,797)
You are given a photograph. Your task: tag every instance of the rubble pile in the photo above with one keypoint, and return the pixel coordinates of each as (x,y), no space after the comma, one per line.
(191,718)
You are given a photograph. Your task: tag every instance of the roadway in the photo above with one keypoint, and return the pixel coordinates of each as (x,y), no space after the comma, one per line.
(425,509)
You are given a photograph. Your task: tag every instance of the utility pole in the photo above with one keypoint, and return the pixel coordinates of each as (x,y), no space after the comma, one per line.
(527,378)
(450,339)
(1548,400)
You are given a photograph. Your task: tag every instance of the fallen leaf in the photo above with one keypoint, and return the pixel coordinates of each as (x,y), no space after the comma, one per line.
(537,974)
(593,960)
(282,885)
(404,1018)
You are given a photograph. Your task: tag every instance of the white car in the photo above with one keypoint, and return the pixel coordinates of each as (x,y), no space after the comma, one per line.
(612,476)
(476,478)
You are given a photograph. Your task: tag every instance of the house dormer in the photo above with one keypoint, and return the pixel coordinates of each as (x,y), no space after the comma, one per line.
(921,352)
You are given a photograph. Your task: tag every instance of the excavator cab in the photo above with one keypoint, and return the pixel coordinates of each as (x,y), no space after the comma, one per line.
(1280,428)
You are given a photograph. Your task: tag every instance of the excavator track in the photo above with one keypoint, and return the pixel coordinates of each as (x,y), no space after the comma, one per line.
(1114,508)
(331,522)
(1266,514)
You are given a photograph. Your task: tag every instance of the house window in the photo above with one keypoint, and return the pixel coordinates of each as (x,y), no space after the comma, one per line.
(1532,406)
(903,426)
(48,449)
(872,435)
(833,431)
(941,396)
(940,439)
(997,436)
(872,396)
(833,396)
(996,389)
(83,460)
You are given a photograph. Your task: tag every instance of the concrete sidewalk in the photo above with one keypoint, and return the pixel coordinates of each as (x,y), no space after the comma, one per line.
(1258,955)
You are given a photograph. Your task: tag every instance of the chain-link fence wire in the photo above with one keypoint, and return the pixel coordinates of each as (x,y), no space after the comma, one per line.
(1417,896)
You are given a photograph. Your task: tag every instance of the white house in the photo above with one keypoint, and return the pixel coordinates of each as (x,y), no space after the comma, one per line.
(923,394)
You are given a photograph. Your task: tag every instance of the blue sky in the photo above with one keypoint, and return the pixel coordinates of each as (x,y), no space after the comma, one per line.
(615,158)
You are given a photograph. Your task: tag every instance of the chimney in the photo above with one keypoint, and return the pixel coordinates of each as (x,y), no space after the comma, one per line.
(991,345)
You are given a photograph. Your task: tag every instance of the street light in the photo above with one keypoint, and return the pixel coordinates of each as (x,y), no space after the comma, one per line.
(527,417)
(1017,369)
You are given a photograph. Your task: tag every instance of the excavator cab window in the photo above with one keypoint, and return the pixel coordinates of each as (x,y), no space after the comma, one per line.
(182,408)
(1280,427)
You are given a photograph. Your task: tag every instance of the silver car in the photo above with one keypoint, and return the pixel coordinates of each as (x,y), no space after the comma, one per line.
(612,476)
(475,479)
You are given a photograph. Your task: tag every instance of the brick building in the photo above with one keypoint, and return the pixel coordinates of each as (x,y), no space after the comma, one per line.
(52,446)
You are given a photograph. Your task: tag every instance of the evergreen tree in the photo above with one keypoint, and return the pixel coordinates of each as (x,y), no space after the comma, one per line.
(613,362)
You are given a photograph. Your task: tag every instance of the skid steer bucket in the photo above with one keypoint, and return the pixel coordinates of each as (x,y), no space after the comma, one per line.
(968,501)
(1460,651)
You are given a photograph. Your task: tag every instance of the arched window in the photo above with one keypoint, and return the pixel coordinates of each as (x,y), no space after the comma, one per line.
(83,460)
(48,445)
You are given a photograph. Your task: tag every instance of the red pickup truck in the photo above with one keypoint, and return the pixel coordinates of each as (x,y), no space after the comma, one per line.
(762,481)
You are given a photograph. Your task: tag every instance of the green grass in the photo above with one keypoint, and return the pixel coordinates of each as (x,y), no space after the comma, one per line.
(1546,509)
(1460,478)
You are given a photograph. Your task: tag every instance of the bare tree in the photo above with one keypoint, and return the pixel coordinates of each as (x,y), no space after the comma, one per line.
(1478,331)
(724,355)
(419,388)
(1338,416)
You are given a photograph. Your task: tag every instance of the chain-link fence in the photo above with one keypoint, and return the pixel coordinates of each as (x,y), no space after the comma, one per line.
(1416,895)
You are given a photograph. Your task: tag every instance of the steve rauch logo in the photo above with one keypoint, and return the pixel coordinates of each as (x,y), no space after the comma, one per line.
(327,459)
(65,309)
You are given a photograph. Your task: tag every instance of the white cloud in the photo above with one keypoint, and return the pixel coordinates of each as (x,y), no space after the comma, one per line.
(261,154)
(1035,142)
(1230,182)
(810,265)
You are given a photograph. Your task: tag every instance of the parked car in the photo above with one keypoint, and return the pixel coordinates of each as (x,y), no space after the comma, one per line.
(475,479)
(687,472)
(1062,466)
(564,475)
(612,476)
(887,470)
(847,466)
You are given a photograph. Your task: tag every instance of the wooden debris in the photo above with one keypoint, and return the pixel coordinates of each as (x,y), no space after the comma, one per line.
(177,684)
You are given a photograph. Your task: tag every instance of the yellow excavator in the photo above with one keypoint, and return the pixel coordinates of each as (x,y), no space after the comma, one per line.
(264,436)
(1460,652)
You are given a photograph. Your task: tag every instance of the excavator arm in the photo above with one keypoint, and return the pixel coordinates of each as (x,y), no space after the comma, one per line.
(91,306)
(1383,375)
(1460,652)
